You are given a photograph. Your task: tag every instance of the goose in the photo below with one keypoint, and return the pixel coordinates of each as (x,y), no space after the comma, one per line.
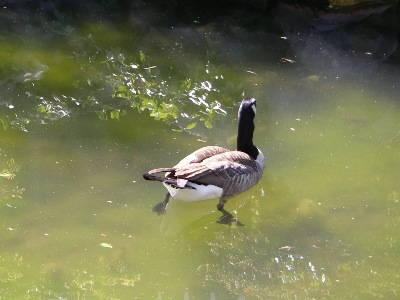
(215,172)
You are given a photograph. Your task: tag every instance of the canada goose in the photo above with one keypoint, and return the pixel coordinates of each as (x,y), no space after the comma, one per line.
(216,172)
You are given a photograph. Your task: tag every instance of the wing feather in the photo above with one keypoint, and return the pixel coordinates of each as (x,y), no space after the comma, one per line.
(201,154)
(220,170)
(234,171)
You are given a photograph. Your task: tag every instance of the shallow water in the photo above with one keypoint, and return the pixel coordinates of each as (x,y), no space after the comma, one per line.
(76,219)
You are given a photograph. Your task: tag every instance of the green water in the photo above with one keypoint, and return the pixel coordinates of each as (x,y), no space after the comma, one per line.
(76,219)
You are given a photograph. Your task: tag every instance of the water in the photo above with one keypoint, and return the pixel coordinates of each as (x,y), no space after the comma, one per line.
(76,220)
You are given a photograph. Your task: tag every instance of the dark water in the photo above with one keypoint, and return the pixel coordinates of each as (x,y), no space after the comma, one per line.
(76,220)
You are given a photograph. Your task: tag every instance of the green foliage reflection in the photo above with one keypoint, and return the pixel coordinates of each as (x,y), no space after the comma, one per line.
(8,171)
(109,83)
(143,86)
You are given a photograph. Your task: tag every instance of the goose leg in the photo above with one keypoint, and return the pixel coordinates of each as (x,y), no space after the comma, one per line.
(161,207)
(226,218)
(221,203)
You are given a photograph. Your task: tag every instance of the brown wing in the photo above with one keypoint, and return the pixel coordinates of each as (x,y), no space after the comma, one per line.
(200,155)
(219,169)
(234,171)
(239,171)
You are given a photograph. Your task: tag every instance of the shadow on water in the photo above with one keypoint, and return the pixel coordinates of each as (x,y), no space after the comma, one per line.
(76,219)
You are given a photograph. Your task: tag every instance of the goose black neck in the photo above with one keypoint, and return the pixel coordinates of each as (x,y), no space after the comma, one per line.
(245,136)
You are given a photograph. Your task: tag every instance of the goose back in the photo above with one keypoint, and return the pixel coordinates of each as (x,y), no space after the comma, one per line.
(201,154)
(233,171)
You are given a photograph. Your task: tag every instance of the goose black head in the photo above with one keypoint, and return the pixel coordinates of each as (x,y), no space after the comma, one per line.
(246,114)
(247,108)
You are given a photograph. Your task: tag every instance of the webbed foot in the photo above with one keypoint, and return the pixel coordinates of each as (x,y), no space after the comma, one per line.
(227,218)
(161,208)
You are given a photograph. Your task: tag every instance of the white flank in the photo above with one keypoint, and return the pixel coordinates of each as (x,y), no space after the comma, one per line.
(260,159)
(199,193)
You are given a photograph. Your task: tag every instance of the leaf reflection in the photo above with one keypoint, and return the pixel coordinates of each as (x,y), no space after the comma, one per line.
(9,189)
(109,83)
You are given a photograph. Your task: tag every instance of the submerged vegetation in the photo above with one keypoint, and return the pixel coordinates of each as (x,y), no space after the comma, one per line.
(116,83)
(142,86)
(8,171)
(17,274)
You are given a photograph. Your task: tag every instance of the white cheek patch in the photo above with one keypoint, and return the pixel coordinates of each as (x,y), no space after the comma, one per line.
(254,108)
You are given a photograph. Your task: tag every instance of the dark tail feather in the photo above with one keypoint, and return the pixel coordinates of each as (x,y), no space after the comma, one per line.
(171,181)
(153,177)
(162,170)
(150,176)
